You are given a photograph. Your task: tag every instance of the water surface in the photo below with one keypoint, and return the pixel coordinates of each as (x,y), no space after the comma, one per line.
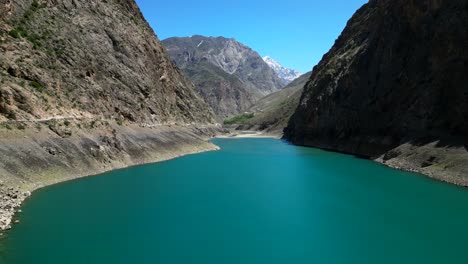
(255,201)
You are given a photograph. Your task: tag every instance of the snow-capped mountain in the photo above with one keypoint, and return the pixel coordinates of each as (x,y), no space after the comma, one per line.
(285,74)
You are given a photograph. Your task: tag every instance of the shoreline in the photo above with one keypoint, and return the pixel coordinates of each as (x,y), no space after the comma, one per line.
(15,196)
(248,134)
(397,164)
(27,194)
(426,174)
(56,160)
(417,159)
(215,148)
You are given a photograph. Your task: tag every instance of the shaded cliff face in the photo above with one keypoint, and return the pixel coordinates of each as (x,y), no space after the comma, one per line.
(229,75)
(87,59)
(396,75)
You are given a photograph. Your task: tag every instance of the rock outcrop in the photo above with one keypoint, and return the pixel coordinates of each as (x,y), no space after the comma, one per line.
(228,75)
(394,87)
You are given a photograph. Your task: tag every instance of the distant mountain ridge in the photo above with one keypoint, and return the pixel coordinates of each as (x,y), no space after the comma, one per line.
(229,75)
(286,75)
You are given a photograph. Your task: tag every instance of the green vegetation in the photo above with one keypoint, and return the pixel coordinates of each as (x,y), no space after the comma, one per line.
(66,123)
(59,47)
(38,86)
(238,119)
(35,40)
(6,125)
(119,122)
(18,32)
(35,6)
(21,32)
(12,125)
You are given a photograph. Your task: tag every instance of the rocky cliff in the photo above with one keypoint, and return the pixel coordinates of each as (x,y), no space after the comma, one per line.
(229,75)
(394,87)
(89,59)
(85,87)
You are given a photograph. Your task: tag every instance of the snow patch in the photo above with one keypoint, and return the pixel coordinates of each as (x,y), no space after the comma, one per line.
(285,74)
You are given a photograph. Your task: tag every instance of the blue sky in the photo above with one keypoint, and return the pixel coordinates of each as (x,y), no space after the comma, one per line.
(297,33)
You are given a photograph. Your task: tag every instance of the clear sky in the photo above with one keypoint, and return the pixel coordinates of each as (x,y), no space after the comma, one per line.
(297,33)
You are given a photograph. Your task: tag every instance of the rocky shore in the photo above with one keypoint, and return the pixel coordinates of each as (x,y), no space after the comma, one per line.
(439,161)
(35,158)
(10,200)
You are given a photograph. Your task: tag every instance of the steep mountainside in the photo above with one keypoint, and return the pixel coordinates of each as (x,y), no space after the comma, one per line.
(272,113)
(229,75)
(394,87)
(225,93)
(89,59)
(86,87)
(285,74)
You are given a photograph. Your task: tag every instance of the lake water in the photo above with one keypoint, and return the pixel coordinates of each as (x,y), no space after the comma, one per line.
(256,201)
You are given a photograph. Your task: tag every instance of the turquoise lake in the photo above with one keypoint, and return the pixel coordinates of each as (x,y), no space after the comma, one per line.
(254,201)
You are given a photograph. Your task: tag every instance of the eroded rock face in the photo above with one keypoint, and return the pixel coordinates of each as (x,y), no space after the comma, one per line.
(397,74)
(229,75)
(89,59)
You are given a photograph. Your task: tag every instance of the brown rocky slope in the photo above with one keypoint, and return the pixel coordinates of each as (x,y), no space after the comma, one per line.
(89,58)
(394,87)
(272,113)
(86,87)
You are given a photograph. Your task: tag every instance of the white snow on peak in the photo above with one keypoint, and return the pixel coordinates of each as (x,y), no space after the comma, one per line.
(285,74)
(270,61)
